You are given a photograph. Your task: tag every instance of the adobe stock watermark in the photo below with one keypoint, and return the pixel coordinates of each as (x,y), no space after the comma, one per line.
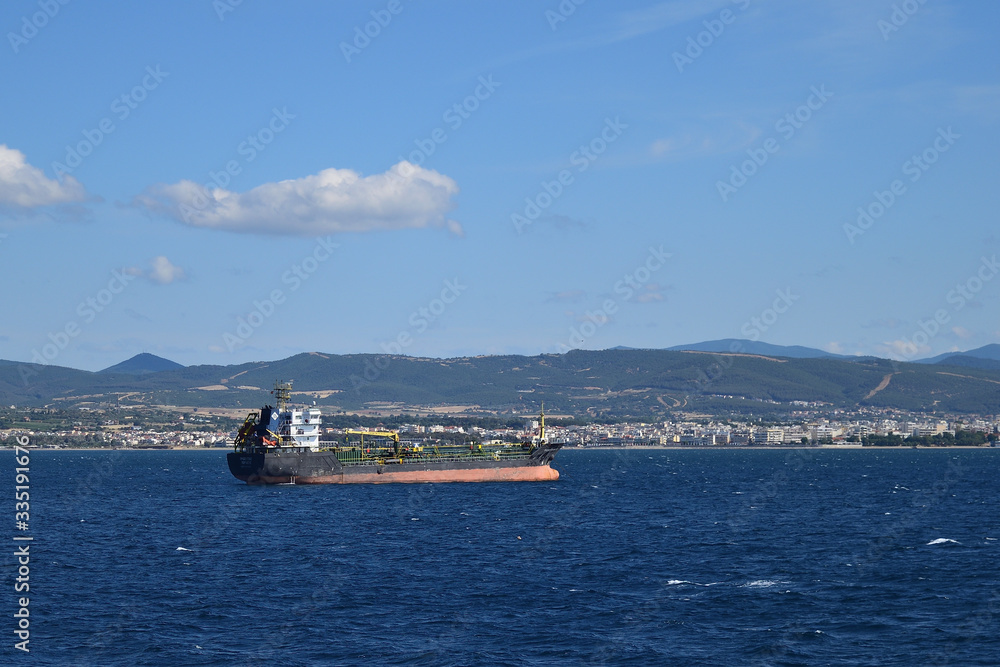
(752,329)
(381,18)
(419,321)
(758,325)
(627,287)
(454,117)
(264,309)
(281,638)
(582,159)
(768,489)
(22,518)
(787,126)
(223,7)
(122,107)
(922,502)
(87,311)
(899,17)
(981,623)
(614,649)
(583,502)
(958,297)
(915,168)
(562,13)
(31,25)
(248,150)
(713,30)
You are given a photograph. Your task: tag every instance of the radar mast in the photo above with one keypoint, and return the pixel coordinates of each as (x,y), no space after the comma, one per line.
(282,394)
(541,431)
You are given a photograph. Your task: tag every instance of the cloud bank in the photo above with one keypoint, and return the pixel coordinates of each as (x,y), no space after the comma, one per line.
(334,200)
(25,186)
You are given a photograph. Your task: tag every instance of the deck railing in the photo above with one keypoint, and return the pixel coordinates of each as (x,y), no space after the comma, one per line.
(354,456)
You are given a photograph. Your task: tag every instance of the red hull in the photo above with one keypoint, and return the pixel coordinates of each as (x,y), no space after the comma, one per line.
(515,474)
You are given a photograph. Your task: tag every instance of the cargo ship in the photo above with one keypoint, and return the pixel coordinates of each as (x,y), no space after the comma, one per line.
(282,446)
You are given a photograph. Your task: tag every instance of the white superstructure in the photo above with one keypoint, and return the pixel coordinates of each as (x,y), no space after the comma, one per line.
(301,427)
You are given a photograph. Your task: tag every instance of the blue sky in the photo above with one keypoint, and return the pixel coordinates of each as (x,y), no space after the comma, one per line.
(217,182)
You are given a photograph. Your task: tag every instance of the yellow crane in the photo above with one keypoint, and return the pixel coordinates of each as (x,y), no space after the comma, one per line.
(383,434)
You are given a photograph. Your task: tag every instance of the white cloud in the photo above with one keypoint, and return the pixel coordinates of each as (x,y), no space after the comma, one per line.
(903,349)
(334,200)
(884,323)
(25,186)
(568,296)
(626,26)
(665,15)
(961,332)
(163,272)
(662,146)
(651,293)
(715,134)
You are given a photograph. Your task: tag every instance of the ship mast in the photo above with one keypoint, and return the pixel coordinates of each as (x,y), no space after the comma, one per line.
(541,431)
(282,394)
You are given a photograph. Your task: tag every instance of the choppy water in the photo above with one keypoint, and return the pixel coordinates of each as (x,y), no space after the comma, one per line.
(633,557)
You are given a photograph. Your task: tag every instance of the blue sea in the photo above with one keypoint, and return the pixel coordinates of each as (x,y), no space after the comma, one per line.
(634,557)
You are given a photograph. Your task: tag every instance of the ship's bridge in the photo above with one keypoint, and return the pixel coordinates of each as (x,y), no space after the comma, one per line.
(301,427)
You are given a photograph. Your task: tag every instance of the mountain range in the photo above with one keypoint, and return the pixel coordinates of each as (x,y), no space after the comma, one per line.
(981,357)
(987,356)
(743,346)
(141,364)
(617,383)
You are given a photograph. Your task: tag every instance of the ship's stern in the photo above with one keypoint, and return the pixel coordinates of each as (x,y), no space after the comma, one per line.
(245,466)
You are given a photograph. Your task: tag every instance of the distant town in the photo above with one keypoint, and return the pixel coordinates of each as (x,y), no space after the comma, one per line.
(804,427)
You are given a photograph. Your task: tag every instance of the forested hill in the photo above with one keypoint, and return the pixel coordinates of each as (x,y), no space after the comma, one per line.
(611,383)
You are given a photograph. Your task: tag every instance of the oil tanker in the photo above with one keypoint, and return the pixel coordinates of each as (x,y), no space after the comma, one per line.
(282,446)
